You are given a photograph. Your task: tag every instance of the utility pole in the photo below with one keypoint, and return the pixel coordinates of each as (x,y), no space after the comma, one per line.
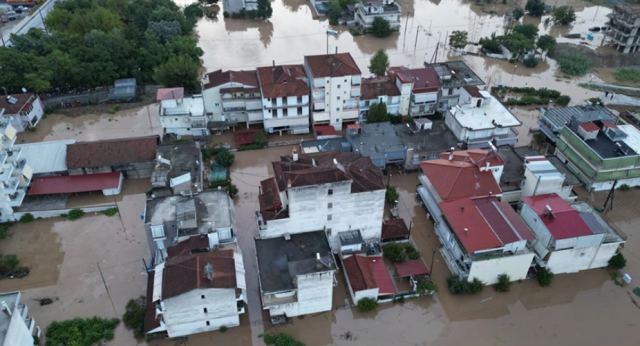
(404,40)
(416,42)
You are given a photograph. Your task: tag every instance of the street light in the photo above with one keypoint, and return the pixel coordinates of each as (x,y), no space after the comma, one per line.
(330,32)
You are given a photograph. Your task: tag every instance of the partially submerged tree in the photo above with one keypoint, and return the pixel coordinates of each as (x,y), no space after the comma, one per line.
(380,27)
(458,39)
(264,8)
(379,63)
(564,15)
(546,43)
(535,8)
(377,113)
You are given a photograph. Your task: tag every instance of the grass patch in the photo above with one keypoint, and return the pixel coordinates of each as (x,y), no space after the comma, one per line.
(27,218)
(113,109)
(4,229)
(10,267)
(574,64)
(74,214)
(627,74)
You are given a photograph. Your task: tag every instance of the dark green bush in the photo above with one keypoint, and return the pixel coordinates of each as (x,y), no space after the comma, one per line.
(544,277)
(458,285)
(110,212)
(391,195)
(530,61)
(425,286)
(503,284)
(224,157)
(617,261)
(574,64)
(134,316)
(411,252)
(281,339)
(81,331)
(75,214)
(367,304)
(394,252)
(26,218)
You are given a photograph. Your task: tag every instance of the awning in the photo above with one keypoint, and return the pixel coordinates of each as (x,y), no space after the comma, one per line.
(74,183)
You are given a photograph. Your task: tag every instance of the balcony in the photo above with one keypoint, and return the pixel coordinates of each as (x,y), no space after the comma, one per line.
(14,154)
(7,171)
(16,198)
(284,298)
(10,185)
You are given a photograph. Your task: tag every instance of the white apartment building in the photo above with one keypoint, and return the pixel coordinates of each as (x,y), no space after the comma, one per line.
(17,327)
(184,116)
(232,97)
(15,173)
(419,90)
(297,274)
(24,110)
(196,290)
(334,192)
(285,98)
(368,10)
(335,81)
(380,90)
(480,118)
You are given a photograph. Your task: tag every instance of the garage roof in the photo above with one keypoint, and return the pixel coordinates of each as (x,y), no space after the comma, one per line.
(74,183)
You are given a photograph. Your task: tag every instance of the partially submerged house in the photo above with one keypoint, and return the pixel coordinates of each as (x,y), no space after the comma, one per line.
(297,274)
(380,90)
(367,277)
(178,168)
(377,141)
(24,110)
(333,192)
(454,76)
(366,11)
(624,28)
(419,90)
(47,157)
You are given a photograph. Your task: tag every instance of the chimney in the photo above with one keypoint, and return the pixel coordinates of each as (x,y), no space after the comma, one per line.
(451,155)
(336,49)
(273,62)
(318,256)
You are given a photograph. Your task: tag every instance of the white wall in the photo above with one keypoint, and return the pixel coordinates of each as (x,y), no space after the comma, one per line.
(571,260)
(17,333)
(315,294)
(405,96)
(184,314)
(213,102)
(516,266)
(543,238)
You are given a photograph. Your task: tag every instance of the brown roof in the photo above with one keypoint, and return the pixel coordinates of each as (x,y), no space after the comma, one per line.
(14,108)
(282,80)
(111,152)
(394,229)
(151,321)
(359,273)
(373,87)
(332,65)
(169,93)
(424,79)
(219,77)
(269,200)
(328,167)
(197,242)
(472,90)
(185,273)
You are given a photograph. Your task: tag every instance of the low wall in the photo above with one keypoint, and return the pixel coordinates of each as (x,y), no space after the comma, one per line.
(58,212)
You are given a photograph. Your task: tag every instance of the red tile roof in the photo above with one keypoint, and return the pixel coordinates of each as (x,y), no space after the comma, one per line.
(74,183)
(282,81)
(332,65)
(23,101)
(372,88)
(269,200)
(590,127)
(424,79)
(478,156)
(563,221)
(458,179)
(169,94)
(367,273)
(111,152)
(217,78)
(185,273)
(394,229)
(484,223)
(185,247)
(411,268)
(472,90)
(325,130)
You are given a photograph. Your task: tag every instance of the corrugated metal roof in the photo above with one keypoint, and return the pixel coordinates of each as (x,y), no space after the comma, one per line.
(46,157)
(559,117)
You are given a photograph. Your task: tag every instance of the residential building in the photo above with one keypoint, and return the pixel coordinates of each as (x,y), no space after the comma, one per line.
(15,172)
(178,168)
(624,28)
(380,90)
(542,177)
(232,97)
(285,98)
(480,119)
(24,110)
(569,238)
(134,157)
(485,160)
(335,81)
(297,274)
(552,120)
(17,327)
(239,6)
(454,75)
(377,141)
(46,158)
(419,90)
(394,230)
(367,277)
(184,116)
(173,219)
(333,192)
(366,11)
(198,289)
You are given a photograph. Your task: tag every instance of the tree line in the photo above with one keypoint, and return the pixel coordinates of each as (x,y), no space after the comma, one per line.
(90,43)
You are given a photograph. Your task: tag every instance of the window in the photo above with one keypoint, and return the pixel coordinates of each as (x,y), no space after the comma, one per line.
(329,217)
(329,231)
(285,112)
(338,86)
(299,111)
(205,310)
(451,91)
(202,296)
(329,205)
(330,192)
(337,109)
(208,324)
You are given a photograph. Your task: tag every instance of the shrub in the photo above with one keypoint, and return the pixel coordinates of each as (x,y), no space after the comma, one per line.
(110,212)
(4,229)
(380,27)
(595,101)
(410,251)
(491,45)
(563,100)
(517,13)
(367,304)
(544,277)
(261,139)
(535,8)
(75,214)
(530,61)
(81,331)
(113,109)
(133,317)
(624,187)
(281,339)
(232,190)
(503,284)
(224,157)
(223,329)
(27,218)
(392,195)
(425,286)
(458,285)
(564,15)
(617,261)
(476,286)
(377,113)
(8,264)
(394,252)
(574,64)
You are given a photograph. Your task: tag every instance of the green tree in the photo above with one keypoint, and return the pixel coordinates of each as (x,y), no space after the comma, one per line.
(503,284)
(544,277)
(529,31)
(564,15)
(379,63)
(391,195)
(367,304)
(281,339)
(458,39)
(617,261)
(377,113)
(491,45)
(535,8)
(519,44)
(81,331)
(517,13)
(134,316)
(225,158)
(264,9)
(380,27)
(165,30)
(546,43)
(179,70)
(334,10)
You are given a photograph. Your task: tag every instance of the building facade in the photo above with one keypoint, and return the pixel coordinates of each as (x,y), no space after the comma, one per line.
(239,6)
(17,326)
(16,173)
(419,90)
(24,110)
(366,11)
(624,28)
(184,116)
(232,97)
(454,75)
(380,90)
(335,81)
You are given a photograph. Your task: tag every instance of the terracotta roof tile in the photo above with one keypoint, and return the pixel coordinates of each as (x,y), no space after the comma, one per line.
(332,65)
(367,273)
(184,273)
(411,268)
(458,179)
(394,229)
(111,152)
(424,79)
(219,77)
(563,221)
(282,81)
(372,88)
(74,183)
(479,157)
(22,101)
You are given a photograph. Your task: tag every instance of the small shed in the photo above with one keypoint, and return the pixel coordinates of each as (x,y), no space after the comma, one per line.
(588,130)
(123,90)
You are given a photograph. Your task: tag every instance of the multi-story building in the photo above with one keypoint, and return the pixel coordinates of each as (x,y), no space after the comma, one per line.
(335,88)
(232,97)
(198,289)
(285,98)
(366,11)
(24,110)
(184,116)
(542,177)
(480,118)
(569,238)
(380,90)
(552,120)
(15,173)
(297,274)
(454,75)
(624,28)
(419,90)
(17,327)
(333,192)
(239,6)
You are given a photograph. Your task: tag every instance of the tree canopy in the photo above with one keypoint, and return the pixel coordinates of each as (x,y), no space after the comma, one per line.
(546,43)
(379,63)
(564,15)
(458,39)
(380,27)
(92,43)
(377,113)
(535,8)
